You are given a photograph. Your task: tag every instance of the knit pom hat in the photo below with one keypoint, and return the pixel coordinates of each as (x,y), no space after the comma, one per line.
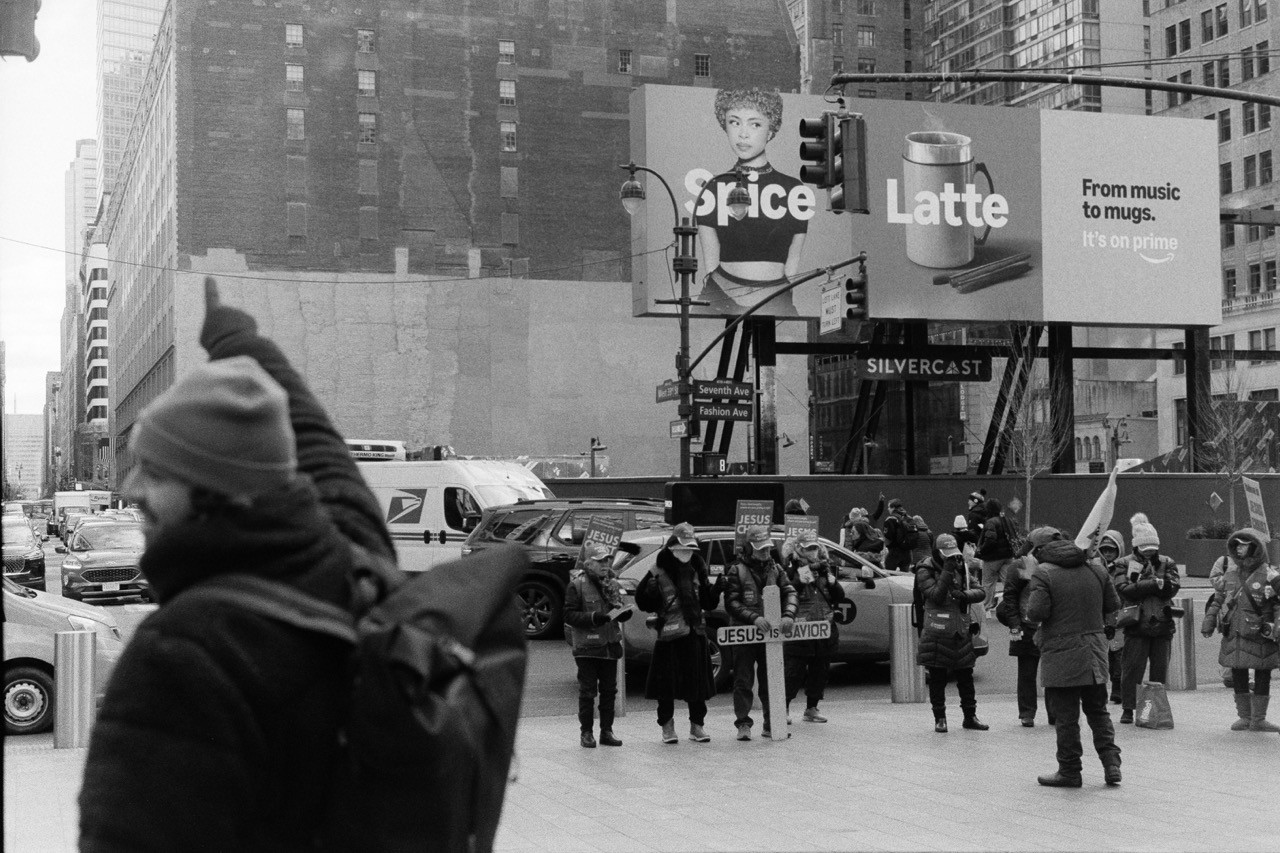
(1144,533)
(224,426)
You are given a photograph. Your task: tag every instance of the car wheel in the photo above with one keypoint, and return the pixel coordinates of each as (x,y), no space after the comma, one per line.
(28,700)
(543,609)
(721,662)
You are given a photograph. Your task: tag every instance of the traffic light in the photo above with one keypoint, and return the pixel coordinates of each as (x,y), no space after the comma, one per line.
(849,165)
(855,295)
(819,155)
(18,28)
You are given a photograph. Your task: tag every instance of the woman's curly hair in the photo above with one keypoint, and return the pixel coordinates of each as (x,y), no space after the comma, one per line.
(768,103)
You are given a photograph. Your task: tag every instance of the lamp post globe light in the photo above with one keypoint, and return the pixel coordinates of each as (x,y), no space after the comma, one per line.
(685,265)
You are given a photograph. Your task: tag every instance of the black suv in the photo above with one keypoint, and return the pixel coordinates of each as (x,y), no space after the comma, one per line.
(552,531)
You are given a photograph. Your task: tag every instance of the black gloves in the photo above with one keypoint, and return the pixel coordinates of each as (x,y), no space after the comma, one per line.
(598,618)
(1110,631)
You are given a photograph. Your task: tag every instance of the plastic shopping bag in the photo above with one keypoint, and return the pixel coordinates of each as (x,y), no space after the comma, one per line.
(1153,707)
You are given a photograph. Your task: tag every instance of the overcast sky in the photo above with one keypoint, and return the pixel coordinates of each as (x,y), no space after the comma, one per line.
(45,106)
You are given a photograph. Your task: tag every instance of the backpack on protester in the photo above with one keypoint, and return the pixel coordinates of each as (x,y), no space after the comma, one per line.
(895,532)
(438,670)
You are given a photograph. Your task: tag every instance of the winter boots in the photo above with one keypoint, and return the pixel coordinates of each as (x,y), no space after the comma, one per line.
(1244,711)
(1258,719)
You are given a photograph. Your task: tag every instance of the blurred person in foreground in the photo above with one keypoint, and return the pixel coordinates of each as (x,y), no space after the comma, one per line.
(1074,601)
(1245,607)
(679,590)
(217,727)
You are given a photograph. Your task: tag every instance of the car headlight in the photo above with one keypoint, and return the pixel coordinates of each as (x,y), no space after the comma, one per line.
(33,555)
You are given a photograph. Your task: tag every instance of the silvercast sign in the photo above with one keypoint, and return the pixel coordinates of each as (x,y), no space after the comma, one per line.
(930,364)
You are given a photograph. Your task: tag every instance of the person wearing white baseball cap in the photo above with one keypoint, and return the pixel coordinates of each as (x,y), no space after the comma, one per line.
(679,590)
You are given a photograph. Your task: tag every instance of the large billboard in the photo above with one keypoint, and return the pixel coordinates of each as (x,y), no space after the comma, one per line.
(977,213)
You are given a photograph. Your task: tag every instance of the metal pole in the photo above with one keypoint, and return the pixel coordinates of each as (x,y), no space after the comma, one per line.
(906,677)
(686,264)
(74,688)
(1182,660)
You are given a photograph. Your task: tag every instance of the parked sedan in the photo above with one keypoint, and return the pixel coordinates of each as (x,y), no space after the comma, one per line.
(864,634)
(31,619)
(23,554)
(102,563)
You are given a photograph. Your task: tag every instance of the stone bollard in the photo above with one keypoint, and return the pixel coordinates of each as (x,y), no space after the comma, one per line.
(1182,658)
(906,677)
(74,688)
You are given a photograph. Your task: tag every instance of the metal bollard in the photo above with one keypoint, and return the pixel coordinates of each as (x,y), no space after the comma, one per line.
(1182,659)
(906,677)
(74,688)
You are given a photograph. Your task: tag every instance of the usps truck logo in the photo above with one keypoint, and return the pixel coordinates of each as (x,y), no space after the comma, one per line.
(406,506)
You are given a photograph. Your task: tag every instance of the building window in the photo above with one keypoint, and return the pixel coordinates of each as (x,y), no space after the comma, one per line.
(1269,275)
(1171,40)
(1264,168)
(1255,278)
(364,41)
(368,177)
(509,182)
(1206,25)
(1224,74)
(1224,125)
(368,223)
(866,93)
(1179,362)
(507,93)
(296,219)
(506,52)
(1185,79)
(866,36)
(1224,178)
(1228,346)
(624,61)
(866,66)
(837,35)
(1248,118)
(1209,73)
(1263,55)
(1171,98)
(906,39)
(906,67)
(507,129)
(366,82)
(702,65)
(295,124)
(1264,116)
(1220,18)
(866,7)
(293,78)
(1250,171)
(293,35)
(1246,64)
(1228,236)
(1246,13)
(1229,283)
(837,65)
(368,128)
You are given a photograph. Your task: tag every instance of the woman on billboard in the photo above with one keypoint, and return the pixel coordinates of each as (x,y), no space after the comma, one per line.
(751,257)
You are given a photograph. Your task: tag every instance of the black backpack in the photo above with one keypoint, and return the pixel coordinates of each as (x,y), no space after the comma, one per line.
(438,671)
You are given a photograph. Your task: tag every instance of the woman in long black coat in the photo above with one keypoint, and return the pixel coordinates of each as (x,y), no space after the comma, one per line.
(679,590)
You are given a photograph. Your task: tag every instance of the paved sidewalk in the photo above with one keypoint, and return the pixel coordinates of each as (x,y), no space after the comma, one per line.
(876,777)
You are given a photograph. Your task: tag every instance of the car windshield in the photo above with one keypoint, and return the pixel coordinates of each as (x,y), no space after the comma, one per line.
(18,532)
(497,495)
(10,586)
(101,537)
(517,525)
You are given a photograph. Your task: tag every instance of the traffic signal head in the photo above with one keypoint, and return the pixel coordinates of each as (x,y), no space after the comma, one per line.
(855,295)
(18,28)
(818,155)
(849,166)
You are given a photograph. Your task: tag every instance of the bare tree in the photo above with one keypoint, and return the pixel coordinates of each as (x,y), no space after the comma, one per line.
(1242,432)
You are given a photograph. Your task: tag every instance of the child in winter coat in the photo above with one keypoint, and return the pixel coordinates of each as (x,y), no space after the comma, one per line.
(1246,608)
(592,610)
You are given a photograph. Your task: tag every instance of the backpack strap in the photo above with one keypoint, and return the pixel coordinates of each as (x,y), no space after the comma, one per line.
(278,601)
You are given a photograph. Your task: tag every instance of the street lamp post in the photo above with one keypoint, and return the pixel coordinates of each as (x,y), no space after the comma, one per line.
(596,447)
(685,265)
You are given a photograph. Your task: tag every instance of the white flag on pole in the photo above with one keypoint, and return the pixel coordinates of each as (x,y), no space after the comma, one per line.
(1100,516)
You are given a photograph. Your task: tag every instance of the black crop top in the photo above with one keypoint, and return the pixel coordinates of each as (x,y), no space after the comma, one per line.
(765,233)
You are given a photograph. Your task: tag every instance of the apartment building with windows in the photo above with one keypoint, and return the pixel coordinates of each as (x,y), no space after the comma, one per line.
(870,36)
(1228,44)
(422,206)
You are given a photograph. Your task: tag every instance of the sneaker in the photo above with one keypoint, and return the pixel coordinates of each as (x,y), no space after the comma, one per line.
(744,732)
(698,734)
(607,738)
(1127,717)
(669,732)
(811,715)
(588,740)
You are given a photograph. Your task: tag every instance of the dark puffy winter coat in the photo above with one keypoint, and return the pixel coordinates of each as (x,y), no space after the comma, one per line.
(996,541)
(586,605)
(943,588)
(1071,599)
(746,581)
(1150,597)
(1246,597)
(815,602)
(218,725)
(1013,606)
(681,667)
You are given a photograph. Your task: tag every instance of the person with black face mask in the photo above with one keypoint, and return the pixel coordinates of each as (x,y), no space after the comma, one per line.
(946,639)
(1150,581)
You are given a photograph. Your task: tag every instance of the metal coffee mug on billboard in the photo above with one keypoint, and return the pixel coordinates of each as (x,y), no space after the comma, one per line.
(937,172)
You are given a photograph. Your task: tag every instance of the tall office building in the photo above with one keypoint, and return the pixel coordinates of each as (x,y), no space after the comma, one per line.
(859,36)
(81,202)
(23,453)
(1038,35)
(1228,45)
(126,34)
